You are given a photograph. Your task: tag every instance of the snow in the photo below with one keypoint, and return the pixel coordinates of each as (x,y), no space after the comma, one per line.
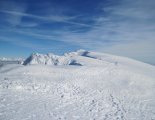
(81,85)
(4,61)
(11,59)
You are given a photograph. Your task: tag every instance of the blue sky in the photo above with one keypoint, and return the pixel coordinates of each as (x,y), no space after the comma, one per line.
(121,27)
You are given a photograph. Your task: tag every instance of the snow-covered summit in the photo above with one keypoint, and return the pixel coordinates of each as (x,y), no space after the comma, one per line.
(37,58)
(51,59)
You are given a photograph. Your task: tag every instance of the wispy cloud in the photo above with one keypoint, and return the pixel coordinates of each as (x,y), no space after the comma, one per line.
(10,5)
(125,22)
(132,24)
(27,44)
(50,18)
(18,42)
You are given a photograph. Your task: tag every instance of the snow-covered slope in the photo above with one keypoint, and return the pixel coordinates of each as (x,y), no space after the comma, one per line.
(81,85)
(80,56)
(88,58)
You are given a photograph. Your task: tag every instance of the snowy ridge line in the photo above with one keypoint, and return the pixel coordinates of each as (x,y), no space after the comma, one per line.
(50,59)
(79,58)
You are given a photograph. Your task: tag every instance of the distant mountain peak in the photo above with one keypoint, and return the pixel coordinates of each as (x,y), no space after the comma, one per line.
(52,59)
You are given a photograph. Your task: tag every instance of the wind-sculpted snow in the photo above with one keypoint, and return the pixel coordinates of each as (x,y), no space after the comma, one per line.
(102,87)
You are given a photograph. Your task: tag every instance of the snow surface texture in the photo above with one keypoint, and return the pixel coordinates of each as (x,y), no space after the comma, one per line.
(80,85)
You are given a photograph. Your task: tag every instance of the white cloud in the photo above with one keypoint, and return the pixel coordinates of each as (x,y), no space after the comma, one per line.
(134,27)
(27,44)
(143,50)
(13,6)
(17,15)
